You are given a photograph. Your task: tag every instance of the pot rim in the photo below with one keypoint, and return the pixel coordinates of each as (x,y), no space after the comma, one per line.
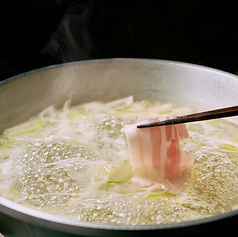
(160,61)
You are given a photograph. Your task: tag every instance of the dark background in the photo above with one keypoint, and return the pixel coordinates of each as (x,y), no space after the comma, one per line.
(38,33)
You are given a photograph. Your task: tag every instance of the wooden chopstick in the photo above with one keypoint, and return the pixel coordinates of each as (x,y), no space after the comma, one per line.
(207,115)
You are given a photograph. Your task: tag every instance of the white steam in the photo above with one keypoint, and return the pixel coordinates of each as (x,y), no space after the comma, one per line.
(71,40)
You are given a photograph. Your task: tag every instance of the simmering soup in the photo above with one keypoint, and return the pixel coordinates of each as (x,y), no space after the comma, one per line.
(75,162)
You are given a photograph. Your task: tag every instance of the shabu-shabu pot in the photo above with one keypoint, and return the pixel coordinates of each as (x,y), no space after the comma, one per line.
(26,95)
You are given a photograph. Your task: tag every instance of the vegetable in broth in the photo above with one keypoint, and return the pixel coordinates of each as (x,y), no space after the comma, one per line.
(75,162)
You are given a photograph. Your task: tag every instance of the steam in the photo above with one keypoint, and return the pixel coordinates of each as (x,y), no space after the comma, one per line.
(71,40)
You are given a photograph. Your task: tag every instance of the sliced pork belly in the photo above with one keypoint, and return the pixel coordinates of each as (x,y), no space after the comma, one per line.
(156,154)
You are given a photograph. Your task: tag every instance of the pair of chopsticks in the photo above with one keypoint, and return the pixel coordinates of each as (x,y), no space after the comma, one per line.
(207,115)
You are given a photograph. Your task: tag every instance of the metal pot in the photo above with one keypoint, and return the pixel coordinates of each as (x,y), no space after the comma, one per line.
(27,94)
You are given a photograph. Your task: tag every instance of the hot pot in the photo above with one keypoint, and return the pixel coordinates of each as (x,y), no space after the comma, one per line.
(27,94)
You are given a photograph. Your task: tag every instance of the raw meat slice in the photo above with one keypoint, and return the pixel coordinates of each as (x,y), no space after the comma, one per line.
(156,154)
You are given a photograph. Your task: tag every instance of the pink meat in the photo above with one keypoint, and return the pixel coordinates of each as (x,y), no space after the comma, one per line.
(156,154)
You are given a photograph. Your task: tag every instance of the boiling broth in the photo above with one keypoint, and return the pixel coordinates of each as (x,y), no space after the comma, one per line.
(60,162)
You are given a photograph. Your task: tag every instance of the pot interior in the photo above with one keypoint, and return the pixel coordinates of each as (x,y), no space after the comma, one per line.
(187,85)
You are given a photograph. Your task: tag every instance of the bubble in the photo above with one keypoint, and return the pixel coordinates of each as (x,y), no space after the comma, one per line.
(110,126)
(40,173)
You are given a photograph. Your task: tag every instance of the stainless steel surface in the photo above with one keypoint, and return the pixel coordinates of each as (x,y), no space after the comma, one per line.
(185,84)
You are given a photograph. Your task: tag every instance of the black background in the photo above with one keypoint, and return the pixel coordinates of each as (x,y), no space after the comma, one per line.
(32,34)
